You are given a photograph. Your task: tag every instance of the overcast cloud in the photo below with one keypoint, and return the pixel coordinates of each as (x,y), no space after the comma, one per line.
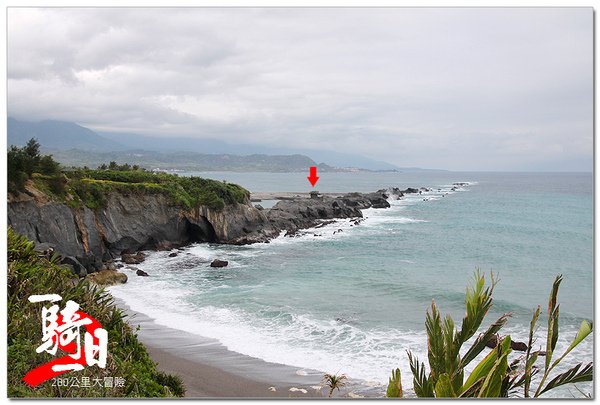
(460,89)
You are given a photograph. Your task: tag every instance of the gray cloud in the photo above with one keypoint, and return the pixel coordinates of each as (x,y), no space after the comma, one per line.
(463,89)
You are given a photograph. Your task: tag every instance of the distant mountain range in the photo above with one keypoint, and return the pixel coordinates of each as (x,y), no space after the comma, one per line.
(58,135)
(204,145)
(75,145)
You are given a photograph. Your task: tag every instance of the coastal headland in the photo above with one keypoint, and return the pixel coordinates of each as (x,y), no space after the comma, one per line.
(135,218)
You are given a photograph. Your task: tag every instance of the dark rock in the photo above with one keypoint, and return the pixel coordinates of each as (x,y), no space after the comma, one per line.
(137,258)
(46,249)
(75,265)
(141,273)
(378,200)
(164,245)
(174,254)
(520,346)
(493,342)
(219,263)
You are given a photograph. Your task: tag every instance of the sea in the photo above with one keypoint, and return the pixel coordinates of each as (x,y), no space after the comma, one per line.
(352,299)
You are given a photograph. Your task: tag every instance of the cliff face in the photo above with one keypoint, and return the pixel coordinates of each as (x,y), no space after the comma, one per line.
(130,223)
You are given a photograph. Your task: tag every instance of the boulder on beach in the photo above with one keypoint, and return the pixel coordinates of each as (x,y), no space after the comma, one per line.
(107,277)
(219,263)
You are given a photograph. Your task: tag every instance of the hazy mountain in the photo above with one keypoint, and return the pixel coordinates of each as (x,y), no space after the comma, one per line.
(58,135)
(336,159)
(72,139)
(190,161)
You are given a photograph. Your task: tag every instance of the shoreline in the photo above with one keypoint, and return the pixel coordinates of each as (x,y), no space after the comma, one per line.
(210,370)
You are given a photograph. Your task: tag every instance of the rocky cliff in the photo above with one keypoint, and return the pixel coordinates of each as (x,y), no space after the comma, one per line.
(130,222)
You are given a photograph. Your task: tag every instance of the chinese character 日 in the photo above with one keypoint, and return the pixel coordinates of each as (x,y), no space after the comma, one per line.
(62,329)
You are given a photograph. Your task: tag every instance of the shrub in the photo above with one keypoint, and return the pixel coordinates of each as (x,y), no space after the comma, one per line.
(58,184)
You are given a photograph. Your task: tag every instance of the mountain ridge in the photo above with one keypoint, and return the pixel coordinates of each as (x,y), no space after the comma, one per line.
(76,145)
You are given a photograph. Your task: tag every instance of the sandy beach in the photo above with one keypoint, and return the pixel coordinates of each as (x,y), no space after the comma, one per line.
(209,370)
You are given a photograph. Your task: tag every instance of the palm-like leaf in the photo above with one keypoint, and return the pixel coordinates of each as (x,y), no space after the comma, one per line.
(394,389)
(492,384)
(480,371)
(443,387)
(421,384)
(435,343)
(584,330)
(478,301)
(529,359)
(553,310)
(482,340)
(573,375)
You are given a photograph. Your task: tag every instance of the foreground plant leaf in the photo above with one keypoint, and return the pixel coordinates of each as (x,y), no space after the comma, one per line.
(573,375)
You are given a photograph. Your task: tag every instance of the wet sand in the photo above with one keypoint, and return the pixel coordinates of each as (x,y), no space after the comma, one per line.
(209,370)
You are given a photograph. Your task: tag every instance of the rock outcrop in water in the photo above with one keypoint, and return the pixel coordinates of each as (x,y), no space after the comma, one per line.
(293,215)
(128,223)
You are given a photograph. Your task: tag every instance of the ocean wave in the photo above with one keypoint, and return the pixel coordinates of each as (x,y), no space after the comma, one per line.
(297,340)
(279,335)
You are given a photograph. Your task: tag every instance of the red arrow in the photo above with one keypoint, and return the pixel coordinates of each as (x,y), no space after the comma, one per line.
(313,178)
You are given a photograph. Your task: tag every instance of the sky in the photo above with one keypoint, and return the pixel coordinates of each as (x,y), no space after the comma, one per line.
(505,89)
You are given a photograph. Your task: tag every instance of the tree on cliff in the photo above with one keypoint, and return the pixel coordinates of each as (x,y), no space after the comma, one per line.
(24,161)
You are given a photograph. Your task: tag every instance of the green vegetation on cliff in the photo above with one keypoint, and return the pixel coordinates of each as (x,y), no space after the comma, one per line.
(29,274)
(23,162)
(90,187)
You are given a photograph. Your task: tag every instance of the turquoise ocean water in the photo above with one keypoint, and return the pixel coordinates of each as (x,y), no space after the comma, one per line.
(353,302)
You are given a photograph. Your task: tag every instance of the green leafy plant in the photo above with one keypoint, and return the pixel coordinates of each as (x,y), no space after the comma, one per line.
(446,375)
(495,375)
(578,373)
(334,381)
(394,389)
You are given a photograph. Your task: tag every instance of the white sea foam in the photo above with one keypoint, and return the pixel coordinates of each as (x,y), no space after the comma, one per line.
(294,339)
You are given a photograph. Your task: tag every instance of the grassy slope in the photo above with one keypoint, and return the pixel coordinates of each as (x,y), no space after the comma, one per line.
(29,274)
(90,187)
